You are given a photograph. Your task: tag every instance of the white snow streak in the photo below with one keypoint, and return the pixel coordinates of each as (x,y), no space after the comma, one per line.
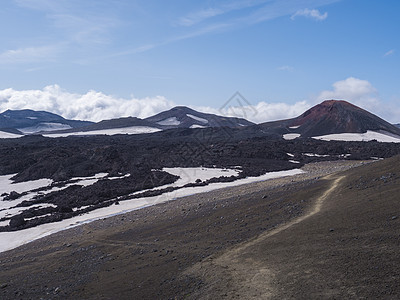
(113,131)
(173,121)
(360,137)
(198,118)
(291,136)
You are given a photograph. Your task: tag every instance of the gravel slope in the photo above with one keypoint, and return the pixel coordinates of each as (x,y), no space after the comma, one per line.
(151,253)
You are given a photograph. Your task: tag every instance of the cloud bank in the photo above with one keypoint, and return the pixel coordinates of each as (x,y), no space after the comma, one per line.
(93,106)
(97,106)
(261,112)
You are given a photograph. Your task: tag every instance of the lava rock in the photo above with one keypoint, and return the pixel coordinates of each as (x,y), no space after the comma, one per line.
(17,221)
(12,196)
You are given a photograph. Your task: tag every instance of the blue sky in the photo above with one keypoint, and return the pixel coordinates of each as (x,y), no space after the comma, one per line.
(102,59)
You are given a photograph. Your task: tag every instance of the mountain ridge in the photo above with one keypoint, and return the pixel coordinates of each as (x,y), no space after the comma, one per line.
(31,121)
(331,117)
(327,118)
(190,118)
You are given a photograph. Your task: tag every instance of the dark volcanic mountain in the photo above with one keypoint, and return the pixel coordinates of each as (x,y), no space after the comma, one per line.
(184,117)
(30,121)
(332,117)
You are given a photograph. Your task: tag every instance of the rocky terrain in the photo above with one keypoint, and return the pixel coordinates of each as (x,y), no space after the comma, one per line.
(139,159)
(187,248)
(310,236)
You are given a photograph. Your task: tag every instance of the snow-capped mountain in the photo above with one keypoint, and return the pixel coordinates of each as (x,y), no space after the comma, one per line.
(329,120)
(177,117)
(335,119)
(28,121)
(185,117)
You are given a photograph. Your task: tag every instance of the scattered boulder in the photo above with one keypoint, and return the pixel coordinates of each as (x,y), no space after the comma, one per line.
(12,196)
(17,221)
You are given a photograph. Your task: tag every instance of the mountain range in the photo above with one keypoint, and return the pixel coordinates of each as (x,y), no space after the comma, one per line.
(331,119)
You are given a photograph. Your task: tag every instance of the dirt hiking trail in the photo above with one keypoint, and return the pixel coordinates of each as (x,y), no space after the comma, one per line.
(239,272)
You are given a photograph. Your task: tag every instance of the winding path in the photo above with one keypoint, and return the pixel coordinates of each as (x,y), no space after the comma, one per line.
(238,274)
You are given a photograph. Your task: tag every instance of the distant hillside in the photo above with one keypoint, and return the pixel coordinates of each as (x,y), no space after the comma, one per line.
(179,117)
(30,121)
(184,117)
(331,117)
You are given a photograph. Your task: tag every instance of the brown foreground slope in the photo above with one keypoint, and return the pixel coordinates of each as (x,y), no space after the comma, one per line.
(263,240)
(346,247)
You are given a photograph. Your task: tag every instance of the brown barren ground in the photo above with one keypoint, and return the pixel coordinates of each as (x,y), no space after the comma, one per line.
(325,234)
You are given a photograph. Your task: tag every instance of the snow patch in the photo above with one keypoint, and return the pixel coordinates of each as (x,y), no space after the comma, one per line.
(197,118)
(7,185)
(8,209)
(294,127)
(190,175)
(17,210)
(113,131)
(197,126)
(4,223)
(360,137)
(376,158)
(290,154)
(173,121)
(7,135)
(294,161)
(291,136)
(315,155)
(44,127)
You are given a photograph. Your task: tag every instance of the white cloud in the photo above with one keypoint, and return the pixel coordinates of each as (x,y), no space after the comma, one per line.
(79,27)
(97,106)
(351,89)
(205,14)
(41,4)
(363,94)
(250,12)
(199,16)
(310,13)
(390,52)
(94,106)
(29,54)
(285,68)
(261,112)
